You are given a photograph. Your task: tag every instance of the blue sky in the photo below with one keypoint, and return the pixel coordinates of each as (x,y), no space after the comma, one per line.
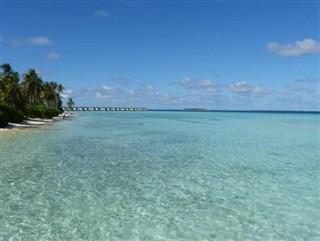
(248,55)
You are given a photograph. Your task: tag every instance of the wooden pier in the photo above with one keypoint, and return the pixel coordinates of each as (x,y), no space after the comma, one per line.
(105,109)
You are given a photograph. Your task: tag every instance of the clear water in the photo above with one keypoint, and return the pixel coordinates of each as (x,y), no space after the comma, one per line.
(163,176)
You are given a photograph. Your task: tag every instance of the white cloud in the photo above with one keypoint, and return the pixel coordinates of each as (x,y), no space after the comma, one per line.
(107,92)
(101,96)
(243,87)
(293,90)
(306,46)
(108,88)
(150,88)
(31,41)
(201,93)
(185,81)
(206,84)
(52,56)
(39,41)
(64,96)
(66,93)
(299,97)
(101,14)
(131,92)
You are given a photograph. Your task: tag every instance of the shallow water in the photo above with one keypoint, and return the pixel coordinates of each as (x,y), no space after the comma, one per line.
(163,176)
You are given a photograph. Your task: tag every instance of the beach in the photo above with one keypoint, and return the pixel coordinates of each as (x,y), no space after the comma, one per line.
(31,123)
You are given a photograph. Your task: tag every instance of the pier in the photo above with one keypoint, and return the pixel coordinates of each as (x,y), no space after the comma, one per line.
(105,109)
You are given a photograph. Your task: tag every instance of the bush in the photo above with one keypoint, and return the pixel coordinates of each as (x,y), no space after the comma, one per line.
(10,113)
(35,111)
(16,115)
(3,120)
(41,111)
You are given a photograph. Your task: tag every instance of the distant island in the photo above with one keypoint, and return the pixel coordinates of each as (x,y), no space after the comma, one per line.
(195,109)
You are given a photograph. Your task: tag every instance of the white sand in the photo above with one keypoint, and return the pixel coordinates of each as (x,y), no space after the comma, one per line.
(40,120)
(24,125)
(32,123)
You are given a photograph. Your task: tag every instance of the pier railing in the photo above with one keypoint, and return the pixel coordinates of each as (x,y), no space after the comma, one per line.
(105,109)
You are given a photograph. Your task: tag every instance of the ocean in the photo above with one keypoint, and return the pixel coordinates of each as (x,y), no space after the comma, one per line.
(163,176)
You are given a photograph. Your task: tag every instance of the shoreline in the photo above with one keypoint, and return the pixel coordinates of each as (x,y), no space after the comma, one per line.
(34,123)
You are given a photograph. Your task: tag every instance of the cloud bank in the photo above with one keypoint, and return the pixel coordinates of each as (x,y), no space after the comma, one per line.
(203,93)
(303,47)
(202,84)
(35,41)
(243,87)
(39,41)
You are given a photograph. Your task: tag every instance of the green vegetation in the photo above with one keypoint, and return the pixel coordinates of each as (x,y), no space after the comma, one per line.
(70,103)
(32,97)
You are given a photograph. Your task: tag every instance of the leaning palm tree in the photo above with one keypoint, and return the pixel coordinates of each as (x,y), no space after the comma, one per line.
(70,103)
(32,85)
(60,88)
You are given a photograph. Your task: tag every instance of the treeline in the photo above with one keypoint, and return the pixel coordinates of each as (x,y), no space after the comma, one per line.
(27,96)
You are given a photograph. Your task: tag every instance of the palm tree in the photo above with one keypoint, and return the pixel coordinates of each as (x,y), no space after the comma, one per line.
(2,86)
(13,93)
(50,94)
(7,71)
(70,103)
(9,85)
(33,91)
(5,75)
(60,89)
(47,93)
(32,85)
(54,87)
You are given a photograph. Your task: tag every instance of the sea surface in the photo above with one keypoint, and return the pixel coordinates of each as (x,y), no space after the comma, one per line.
(163,176)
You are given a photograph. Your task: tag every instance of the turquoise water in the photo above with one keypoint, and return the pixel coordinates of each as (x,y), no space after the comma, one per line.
(163,176)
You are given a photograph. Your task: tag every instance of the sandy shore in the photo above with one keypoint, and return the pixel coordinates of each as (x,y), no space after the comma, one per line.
(32,123)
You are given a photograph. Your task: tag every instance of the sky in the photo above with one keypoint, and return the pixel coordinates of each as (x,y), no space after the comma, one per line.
(219,55)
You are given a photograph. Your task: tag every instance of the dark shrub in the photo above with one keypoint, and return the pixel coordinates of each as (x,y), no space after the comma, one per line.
(42,111)
(3,120)
(36,111)
(51,113)
(10,113)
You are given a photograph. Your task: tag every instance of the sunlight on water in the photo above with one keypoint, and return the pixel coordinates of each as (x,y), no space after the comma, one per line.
(163,176)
